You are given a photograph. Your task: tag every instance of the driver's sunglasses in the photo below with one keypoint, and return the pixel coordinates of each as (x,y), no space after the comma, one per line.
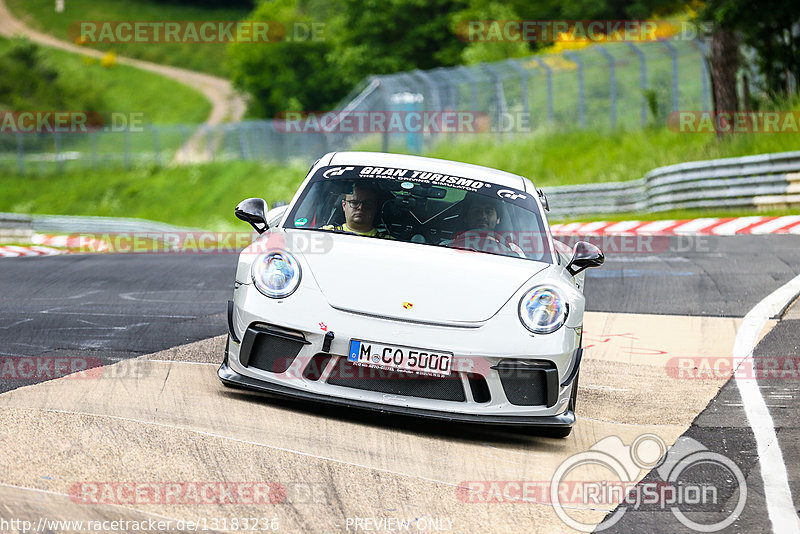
(367,204)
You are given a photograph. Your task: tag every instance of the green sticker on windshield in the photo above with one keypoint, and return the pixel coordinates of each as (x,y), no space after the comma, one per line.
(301,222)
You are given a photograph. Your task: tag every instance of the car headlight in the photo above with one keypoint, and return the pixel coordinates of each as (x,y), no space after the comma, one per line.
(543,309)
(276,274)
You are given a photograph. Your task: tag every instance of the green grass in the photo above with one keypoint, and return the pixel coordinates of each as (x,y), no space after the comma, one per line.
(127,89)
(204,195)
(589,156)
(199,195)
(206,57)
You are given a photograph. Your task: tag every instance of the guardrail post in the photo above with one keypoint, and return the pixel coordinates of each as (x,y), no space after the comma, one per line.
(581,94)
(642,78)
(674,56)
(20,153)
(612,82)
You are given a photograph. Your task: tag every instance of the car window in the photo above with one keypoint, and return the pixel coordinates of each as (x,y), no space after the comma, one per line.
(424,208)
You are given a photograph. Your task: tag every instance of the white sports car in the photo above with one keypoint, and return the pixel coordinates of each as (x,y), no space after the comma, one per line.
(415,286)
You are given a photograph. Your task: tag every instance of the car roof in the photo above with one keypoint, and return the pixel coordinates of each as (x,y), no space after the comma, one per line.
(443,166)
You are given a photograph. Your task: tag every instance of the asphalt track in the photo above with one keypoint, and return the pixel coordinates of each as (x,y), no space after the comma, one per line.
(160,414)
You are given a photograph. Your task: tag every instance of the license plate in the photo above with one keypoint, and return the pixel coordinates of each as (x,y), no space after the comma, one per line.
(400,358)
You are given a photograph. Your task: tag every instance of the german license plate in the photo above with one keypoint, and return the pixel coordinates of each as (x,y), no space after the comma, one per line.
(400,358)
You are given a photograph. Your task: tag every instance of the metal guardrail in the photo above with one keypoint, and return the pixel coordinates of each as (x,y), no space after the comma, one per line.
(72,224)
(752,181)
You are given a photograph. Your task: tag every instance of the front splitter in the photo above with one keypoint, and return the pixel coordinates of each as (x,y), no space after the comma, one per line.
(231,378)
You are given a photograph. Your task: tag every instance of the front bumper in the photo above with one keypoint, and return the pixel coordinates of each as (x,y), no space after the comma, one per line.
(484,351)
(231,378)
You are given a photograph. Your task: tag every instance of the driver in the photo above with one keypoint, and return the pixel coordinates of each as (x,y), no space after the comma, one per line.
(360,207)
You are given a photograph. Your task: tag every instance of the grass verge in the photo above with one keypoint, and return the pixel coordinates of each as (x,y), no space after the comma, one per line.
(129,90)
(591,156)
(204,57)
(200,196)
(204,195)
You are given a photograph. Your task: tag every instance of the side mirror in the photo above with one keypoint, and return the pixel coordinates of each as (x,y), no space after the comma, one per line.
(253,211)
(543,198)
(585,255)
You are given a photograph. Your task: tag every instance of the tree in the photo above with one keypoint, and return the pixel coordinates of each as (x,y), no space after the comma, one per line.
(386,36)
(292,74)
(771,27)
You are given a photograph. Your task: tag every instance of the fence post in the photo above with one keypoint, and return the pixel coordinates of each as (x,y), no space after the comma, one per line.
(433,105)
(473,86)
(20,153)
(674,56)
(549,74)
(243,149)
(93,142)
(642,78)
(59,158)
(581,92)
(523,83)
(127,143)
(612,82)
(706,96)
(500,105)
(156,146)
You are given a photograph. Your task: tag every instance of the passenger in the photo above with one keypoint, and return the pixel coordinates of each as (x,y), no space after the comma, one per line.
(481,217)
(360,208)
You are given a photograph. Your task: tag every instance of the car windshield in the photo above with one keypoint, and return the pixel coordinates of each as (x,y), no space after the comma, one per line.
(423,207)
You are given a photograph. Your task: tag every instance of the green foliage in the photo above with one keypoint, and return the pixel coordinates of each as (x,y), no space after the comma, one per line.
(477,51)
(205,57)
(771,28)
(386,36)
(37,78)
(288,75)
(30,82)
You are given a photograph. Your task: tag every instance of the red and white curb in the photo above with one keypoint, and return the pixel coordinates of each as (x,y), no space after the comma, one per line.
(13,251)
(43,246)
(86,244)
(789,224)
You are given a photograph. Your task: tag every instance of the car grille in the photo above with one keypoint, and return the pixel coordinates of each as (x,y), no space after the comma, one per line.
(357,377)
